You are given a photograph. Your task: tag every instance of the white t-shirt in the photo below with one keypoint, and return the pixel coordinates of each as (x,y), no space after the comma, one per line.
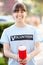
(16,36)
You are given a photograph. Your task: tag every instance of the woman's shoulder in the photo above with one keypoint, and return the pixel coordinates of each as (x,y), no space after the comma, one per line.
(9,28)
(31,26)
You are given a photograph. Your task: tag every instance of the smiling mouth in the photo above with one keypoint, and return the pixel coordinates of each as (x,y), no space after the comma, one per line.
(19,16)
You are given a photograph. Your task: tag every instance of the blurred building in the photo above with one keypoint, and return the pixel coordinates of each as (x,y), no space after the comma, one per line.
(6,6)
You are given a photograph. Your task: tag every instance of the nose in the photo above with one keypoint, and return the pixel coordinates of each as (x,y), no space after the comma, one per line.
(19,12)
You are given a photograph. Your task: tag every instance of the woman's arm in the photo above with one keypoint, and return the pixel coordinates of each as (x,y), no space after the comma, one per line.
(33,53)
(7,51)
(36,51)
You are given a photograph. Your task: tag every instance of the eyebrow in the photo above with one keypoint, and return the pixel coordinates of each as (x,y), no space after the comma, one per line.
(17,9)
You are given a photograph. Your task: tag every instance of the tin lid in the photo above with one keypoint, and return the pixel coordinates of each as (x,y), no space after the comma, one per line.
(22,47)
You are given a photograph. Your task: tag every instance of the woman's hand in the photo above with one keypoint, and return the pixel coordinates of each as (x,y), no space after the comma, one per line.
(25,61)
(15,57)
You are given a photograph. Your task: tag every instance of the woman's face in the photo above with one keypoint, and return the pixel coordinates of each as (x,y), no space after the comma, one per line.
(19,16)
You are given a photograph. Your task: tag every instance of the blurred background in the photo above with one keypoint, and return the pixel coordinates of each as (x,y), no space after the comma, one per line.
(34,18)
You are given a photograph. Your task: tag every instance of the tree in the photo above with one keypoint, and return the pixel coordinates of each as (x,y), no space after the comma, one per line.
(39,1)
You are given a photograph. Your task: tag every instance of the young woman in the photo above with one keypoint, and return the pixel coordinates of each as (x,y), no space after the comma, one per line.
(20,34)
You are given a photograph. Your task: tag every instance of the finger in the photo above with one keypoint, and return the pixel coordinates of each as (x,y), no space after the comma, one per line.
(24,61)
(19,60)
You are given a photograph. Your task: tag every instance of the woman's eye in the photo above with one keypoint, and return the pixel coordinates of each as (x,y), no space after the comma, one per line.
(17,11)
(22,11)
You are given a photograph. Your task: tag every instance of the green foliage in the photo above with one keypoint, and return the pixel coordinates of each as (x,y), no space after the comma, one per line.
(34,7)
(4,25)
(40,1)
(2,61)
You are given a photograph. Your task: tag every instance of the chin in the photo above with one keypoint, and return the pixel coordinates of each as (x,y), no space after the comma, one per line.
(20,20)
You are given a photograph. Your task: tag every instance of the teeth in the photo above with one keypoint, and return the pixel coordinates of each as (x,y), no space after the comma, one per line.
(19,17)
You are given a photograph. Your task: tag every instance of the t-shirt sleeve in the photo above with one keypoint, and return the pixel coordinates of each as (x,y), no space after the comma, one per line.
(36,36)
(4,37)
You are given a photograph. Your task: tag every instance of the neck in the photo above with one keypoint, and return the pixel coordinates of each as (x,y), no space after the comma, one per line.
(20,24)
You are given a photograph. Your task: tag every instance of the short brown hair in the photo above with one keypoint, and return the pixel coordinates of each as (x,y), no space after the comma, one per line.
(18,6)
